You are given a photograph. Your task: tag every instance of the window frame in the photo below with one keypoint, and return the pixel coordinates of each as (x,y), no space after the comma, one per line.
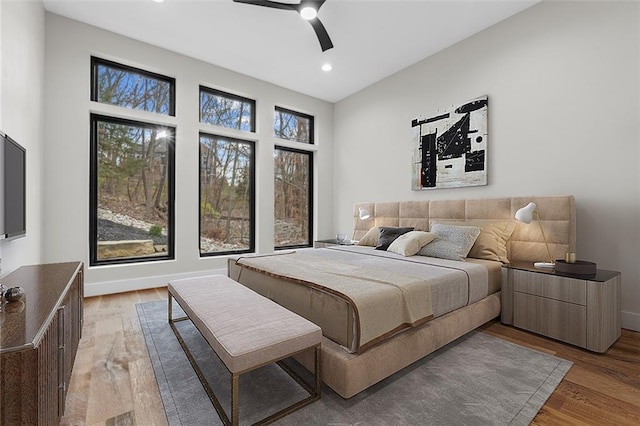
(231,96)
(311,119)
(311,194)
(96,61)
(93,193)
(252,190)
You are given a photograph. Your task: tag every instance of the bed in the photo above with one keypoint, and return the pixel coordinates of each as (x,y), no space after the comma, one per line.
(423,302)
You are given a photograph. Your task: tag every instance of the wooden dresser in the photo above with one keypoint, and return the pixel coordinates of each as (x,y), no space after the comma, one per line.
(39,338)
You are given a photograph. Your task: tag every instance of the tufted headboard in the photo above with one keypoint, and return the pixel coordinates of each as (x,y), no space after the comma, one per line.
(557,214)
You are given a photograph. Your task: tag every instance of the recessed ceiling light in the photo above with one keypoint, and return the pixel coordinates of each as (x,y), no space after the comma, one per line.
(158,1)
(327,67)
(308,13)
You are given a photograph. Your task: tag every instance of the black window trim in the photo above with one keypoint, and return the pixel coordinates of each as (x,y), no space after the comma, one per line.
(252,190)
(310,153)
(311,119)
(95,61)
(93,194)
(221,93)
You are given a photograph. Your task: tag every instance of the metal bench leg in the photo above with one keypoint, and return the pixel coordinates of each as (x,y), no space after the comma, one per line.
(317,354)
(235,409)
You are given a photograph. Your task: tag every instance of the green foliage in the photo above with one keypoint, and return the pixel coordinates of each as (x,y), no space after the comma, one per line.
(207,210)
(155,230)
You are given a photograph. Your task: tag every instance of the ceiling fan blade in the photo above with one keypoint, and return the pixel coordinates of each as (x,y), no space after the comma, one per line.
(321,32)
(271,4)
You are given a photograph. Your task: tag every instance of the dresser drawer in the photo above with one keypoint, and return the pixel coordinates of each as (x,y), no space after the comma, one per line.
(551,286)
(559,320)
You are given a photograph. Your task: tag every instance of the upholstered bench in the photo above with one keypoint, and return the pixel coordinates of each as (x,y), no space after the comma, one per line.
(246,331)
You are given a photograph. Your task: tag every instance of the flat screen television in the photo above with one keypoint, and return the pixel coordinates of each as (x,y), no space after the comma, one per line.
(13,223)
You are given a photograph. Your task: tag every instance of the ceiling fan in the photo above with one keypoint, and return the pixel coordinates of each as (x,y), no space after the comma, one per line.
(308,9)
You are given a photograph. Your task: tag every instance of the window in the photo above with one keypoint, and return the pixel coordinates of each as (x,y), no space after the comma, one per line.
(293,126)
(133,88)
(227,182)
(132,191)
(293,198)
(227,110)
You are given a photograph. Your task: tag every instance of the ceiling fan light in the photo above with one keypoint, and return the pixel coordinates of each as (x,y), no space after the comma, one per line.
(327,67)
(308,13)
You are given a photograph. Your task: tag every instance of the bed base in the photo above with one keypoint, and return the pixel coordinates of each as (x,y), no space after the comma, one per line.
(348,374)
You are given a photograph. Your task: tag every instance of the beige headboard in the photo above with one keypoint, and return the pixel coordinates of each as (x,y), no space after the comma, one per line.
(557,213)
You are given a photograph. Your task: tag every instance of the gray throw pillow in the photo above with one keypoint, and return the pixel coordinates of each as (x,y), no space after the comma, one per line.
(452,242)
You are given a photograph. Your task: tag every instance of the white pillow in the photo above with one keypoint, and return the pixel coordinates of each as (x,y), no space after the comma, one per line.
(452,242)
(410,243)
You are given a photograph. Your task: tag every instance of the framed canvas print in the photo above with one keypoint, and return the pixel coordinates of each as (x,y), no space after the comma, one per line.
(450,147)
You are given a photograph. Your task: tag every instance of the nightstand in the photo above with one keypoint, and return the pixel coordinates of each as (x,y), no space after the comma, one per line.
(329,243)
(577,309)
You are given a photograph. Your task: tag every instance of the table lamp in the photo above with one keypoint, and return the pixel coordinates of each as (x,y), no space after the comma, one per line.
(526,215)
(363,214)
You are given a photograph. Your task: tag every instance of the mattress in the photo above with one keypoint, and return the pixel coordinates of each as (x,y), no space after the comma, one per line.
(439,286)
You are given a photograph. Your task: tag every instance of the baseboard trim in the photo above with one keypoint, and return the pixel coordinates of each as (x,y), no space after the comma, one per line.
(630,321)
(112,287)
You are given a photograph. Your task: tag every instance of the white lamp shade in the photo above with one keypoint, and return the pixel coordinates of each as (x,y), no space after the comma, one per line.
(363,213)
(525,214)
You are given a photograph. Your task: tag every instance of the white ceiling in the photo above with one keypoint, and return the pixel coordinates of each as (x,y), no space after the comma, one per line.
(373,38)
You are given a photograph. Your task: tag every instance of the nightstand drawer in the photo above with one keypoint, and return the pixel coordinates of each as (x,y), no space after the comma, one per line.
(551,286)
(553,318)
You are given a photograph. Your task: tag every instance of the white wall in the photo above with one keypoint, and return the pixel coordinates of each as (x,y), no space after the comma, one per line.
(562,80)
(69,47)
(22,115)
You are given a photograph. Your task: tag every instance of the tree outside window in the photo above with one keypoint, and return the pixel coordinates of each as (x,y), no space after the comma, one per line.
(293,126)
(132,190)
(293,198)
(227,173)
(132,166)
(132,88)
(227,110)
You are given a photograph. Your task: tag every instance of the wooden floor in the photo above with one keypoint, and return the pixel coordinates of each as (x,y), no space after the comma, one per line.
(113,381)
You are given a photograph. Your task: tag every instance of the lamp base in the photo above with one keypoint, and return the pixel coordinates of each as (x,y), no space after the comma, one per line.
(547,265)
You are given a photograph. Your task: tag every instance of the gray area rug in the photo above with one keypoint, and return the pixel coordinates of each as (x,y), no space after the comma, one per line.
(475,380)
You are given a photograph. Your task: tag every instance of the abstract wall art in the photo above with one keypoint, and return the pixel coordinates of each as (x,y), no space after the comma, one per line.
(450,147)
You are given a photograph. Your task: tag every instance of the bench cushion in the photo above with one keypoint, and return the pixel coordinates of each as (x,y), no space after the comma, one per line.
(244,328)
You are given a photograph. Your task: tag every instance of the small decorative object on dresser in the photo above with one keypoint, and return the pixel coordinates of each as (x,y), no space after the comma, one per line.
(583,310)
(577,267)
(14,294)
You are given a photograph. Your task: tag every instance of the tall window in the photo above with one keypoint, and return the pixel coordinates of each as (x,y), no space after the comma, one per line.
(227,181)
(132,166)
(293,126)
(293,198)
(227,110)
(132,174)
(128,87)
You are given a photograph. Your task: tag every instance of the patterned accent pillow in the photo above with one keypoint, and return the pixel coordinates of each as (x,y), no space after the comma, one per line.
(452,242)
